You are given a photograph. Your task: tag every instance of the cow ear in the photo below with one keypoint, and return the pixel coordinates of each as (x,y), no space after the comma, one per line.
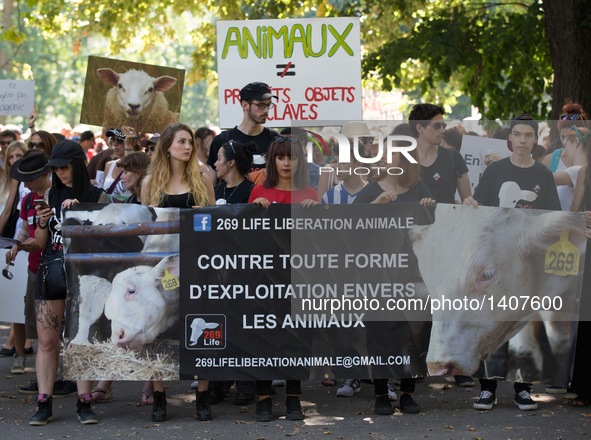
(109,76)
(168,264)
(417,234)
(547,228)
(164,83)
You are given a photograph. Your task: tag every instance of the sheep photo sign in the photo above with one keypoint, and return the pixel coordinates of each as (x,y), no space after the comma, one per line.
(122,266)
(143,96)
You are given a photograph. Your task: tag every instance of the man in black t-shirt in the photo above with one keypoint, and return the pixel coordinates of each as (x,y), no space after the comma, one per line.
(517,181)
(255,100)
(442,169)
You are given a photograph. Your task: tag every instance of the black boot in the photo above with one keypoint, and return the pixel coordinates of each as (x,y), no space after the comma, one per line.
(44,413)
(203,410)
(159,408)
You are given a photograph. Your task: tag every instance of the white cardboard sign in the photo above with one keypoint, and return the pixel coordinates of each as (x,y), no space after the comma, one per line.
(473,150)
(16,97)
(312,65)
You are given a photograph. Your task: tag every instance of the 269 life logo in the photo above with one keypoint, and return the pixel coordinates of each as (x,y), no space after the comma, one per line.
(205,332)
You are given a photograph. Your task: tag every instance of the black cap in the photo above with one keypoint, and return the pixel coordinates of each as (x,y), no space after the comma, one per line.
(116,132)
(154,139)
(256,90)
(64,152)
(32,165)
(525,119)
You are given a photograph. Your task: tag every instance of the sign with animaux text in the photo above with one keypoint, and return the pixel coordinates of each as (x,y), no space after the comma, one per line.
(312,65)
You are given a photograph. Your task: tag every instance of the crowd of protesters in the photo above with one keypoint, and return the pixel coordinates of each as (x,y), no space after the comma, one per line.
(251,163)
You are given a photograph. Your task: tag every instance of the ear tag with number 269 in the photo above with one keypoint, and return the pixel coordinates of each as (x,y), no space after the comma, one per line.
(562,258)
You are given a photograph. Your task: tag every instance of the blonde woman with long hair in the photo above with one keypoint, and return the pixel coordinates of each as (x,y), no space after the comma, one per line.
(174,180)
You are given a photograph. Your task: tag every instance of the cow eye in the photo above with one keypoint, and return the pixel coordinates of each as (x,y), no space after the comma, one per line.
(488,275)
(120,86)
(131,290)
(151,89)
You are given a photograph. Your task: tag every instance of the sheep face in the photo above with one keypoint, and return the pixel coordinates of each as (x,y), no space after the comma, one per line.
(135,89)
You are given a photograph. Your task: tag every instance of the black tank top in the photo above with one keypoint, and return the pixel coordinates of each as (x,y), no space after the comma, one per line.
(185,200)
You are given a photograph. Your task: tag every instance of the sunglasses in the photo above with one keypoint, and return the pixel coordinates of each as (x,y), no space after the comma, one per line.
(571,116)
(262,106)
(152,148)
(438,125)
(39,145)
(232,145)
(5,142)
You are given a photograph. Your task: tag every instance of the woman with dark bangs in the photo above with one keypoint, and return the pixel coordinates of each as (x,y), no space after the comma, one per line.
(286,182)
(287,177)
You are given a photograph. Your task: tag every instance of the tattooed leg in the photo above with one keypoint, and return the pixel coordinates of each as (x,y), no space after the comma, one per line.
(49,315)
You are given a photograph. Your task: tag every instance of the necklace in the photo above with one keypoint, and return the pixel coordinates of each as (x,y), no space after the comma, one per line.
(232,193)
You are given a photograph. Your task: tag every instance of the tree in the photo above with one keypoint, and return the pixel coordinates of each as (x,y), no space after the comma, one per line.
(507,56)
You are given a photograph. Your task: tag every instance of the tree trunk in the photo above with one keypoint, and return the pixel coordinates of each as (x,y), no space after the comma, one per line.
(569,41)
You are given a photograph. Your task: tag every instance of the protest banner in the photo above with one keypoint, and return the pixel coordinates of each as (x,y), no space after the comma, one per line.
(143,96)
(17,97)
(122,308)
(261,296)
(334,290)
(313,65)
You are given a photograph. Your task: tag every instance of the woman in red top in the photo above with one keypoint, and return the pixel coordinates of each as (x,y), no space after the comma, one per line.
(286,182)
(287,177)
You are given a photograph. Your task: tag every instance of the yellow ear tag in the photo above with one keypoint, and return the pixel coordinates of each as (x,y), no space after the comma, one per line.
(562,258)
(169,281)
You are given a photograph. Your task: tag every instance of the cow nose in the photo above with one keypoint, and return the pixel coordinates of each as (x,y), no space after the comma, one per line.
(134,107)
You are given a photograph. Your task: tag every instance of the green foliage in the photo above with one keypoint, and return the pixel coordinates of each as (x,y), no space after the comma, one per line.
(497,55)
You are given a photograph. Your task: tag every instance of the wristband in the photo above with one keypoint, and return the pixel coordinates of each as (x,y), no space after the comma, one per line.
(42,227)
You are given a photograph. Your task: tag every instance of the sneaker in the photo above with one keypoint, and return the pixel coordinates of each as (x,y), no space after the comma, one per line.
(64,388)
(350,387)
(524,401)
(278,383)
(383,407)
(486,400)
(18,365)
(7,352)
(294,408)
(32,388)
(44,412)
(29,351)
(391,393)
(556,389)
(264,411)
(408,404)
(464,381)
(85,413)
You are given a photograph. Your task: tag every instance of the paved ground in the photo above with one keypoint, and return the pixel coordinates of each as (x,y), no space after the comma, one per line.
(446,414)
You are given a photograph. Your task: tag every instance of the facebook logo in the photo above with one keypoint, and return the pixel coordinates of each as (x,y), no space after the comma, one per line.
(202,222)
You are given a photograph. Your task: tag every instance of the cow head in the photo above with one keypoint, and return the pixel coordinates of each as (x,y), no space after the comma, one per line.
(140,307)
(480,254)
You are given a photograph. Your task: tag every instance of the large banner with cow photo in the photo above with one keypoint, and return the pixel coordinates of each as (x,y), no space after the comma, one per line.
(379,291)
(341,291)
(122,267)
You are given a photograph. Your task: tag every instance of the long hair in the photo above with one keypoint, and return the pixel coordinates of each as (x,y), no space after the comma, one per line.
(573,108)
(299,178)
(80,180)
(138,163)
(241,153)
(411,172)
(160,169)
(7,179)
(48,140)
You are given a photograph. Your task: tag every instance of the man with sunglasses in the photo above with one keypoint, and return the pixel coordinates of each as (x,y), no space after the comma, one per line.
(442,169)
(256,102)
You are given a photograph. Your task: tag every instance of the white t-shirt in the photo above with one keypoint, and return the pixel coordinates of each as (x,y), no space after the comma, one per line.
(566,192)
